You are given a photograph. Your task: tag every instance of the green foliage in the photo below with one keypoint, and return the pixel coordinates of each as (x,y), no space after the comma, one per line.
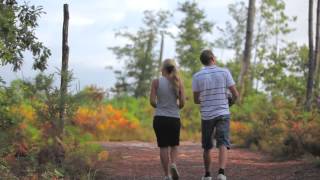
(273,54)
(137,108)
(17,34)
(9,97)
(5,171)
(276,21)
(140,54)
(190,41)
(269,119)
(190,114)
(28,134)
(90,96)
(76,136)
(82,153)
(233,34)
(285,73)
(276,125)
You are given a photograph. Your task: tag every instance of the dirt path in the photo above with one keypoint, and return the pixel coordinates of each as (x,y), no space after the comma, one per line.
(140,161)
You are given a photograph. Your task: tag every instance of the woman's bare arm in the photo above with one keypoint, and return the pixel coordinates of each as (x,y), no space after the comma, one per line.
(181,95)
(153,93)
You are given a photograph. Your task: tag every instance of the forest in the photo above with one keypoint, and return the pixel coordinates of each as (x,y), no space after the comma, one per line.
(48,132)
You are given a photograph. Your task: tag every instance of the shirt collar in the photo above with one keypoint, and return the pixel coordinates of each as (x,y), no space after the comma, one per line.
(210,67)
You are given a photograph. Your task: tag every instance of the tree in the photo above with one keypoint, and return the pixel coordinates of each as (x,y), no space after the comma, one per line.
(310,81)
(287,78)
(64,69)
(122,87)
(190,40)
(233,34)
(317,54)
(248,47)
(161,53)
(272,27)
(139,53)
(17,34)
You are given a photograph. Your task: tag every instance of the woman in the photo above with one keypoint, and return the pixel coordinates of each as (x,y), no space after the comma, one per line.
(167,97)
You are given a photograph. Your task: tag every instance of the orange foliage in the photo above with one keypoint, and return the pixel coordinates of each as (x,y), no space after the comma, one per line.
(26,112)
(21,149)
(239,132)
(103,118)
(103,156)
(238,127)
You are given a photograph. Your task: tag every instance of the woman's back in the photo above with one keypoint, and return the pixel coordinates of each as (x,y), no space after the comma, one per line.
(166,99)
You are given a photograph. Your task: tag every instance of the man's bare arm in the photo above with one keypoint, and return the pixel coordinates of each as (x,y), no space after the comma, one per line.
(196,97)
(235,94)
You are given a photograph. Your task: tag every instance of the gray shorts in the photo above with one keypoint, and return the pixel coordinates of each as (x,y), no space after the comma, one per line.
(222,125)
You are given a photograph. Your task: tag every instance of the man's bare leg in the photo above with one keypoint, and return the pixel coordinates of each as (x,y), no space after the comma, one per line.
(207,160)
(223,156)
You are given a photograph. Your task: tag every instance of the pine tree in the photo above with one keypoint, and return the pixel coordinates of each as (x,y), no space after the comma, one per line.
(190,40)
(140,55)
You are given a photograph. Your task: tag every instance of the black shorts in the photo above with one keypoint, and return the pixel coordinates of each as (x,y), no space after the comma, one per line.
(167,130)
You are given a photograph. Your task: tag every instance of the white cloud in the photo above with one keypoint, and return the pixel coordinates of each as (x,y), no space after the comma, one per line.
(174,30)
(117,16)
(81,21)
(91,61)
(140,5)
(213,4)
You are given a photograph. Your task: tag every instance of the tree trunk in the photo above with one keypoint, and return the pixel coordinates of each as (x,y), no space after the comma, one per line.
(248,46)
(317,53)
(311,60)
(161,53)
(142,86)
(64,68)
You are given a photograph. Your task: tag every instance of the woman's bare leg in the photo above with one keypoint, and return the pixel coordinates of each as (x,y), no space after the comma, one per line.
(164,157)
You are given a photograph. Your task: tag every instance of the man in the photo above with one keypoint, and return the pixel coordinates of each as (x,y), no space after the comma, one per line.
(210,86)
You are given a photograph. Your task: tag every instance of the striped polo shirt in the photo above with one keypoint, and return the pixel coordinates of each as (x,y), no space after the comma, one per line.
(212,82)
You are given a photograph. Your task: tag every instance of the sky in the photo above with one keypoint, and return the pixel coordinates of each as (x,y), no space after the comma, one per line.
(92,27)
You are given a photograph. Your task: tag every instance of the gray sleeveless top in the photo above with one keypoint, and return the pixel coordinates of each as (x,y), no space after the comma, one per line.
(166,99)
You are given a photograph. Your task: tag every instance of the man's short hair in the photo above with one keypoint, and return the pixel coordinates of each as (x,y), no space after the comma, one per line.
(206,56)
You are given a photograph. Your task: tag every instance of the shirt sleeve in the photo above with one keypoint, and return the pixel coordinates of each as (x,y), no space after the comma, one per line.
(195,87)
(230,81)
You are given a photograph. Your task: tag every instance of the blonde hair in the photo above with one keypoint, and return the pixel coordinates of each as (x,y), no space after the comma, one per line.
(170,67)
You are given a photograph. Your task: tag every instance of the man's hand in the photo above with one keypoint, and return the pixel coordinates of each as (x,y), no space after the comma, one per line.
(230,99)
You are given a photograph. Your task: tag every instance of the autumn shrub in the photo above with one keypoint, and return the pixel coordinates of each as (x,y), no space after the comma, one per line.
(5,171)
(90,96)
(108,123)
(135,108)
(276,125)
(29,145)
(305,133)
(9,97)
(270,122)
(82,154)
(138,109)
(240,131)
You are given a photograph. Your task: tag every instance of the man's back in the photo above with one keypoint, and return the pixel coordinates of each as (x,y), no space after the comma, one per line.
(212,83)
